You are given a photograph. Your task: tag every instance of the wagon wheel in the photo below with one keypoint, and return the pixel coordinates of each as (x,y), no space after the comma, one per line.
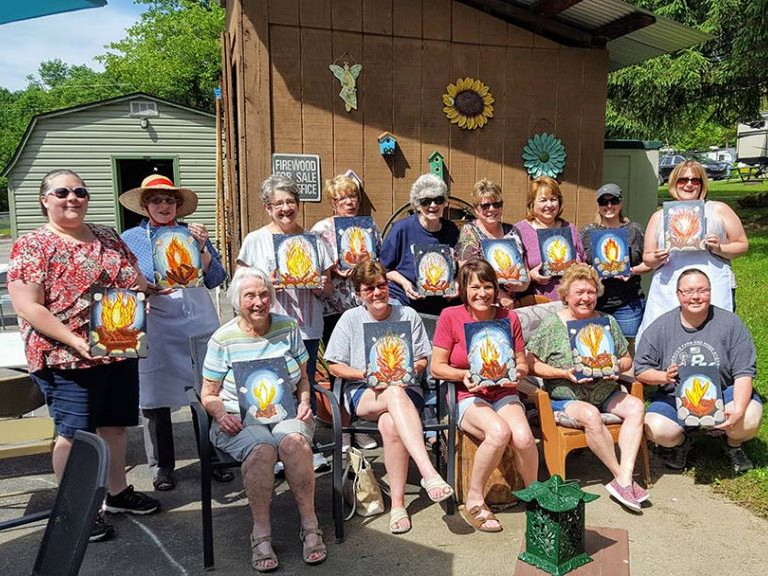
(459,211)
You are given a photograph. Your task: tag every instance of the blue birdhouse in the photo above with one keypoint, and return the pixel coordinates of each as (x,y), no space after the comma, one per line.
(387,144)
(437,165)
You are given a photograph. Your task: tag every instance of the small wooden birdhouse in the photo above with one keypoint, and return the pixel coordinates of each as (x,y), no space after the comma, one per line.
(387,144)
(436,165)
(554,531)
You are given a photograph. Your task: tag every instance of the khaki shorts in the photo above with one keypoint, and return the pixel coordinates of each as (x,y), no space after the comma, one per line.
(240,445)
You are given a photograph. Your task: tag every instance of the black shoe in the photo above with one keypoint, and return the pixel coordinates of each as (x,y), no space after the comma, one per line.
(132,502)
(101,531)
(678,455)
(165,480)
(222,475)
(739,460)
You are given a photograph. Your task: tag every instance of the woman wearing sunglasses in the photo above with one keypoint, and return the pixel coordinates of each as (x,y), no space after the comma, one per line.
(487,199)
(175,315)
(427,226)
(725,240)
(51,273)
(623,296)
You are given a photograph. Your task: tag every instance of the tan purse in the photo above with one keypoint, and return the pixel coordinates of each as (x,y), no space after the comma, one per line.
(361,489)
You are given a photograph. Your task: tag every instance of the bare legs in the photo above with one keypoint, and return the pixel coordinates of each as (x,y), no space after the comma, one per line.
(115,438)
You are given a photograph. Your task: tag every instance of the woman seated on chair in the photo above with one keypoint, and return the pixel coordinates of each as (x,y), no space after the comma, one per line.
(583,400)
(493,415)
(254,334)
(395,408)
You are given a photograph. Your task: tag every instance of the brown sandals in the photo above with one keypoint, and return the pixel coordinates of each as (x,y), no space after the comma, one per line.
(258,557)
(474,516)
(308,551)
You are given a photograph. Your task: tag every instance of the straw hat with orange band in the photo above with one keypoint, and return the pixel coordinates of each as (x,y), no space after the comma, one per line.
(135,199)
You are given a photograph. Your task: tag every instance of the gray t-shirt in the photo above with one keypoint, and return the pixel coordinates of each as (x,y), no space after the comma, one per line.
(347,342)
(723,341)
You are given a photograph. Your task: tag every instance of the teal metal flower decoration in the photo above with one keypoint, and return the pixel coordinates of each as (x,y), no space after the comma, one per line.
(544,155)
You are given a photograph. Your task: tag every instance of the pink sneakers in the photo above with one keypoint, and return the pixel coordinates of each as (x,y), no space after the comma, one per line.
(624,494)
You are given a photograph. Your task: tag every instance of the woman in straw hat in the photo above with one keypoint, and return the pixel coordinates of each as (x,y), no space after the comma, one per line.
(175,314)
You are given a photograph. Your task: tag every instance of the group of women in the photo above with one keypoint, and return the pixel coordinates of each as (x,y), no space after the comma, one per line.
(53,269)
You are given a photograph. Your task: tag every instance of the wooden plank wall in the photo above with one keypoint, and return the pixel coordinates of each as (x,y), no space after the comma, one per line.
(410,50)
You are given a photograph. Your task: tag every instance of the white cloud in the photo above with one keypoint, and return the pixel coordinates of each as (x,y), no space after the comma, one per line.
(73,37)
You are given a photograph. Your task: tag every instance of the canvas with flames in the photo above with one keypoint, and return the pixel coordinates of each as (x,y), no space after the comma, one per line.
(263,391)
(176,257)
(506,258)
(118,323)
(557,251)
(389,354)
(435,272)
(685,226)
(490,352)
(298,263)
(593,348)
(699,396)
(355,240)
(610,252)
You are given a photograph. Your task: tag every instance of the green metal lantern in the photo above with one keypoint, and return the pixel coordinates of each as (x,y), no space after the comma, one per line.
(554,533)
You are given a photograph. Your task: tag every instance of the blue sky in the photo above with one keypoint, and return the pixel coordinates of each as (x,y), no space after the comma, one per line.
(73,37)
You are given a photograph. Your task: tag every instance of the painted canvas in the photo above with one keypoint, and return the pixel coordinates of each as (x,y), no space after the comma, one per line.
(118,323)
(263,390)
(557,251)
(490,352)
(610,252)
(176,257)
(593,348)
(435,273)
(298,264)
(389,353)
(507,260)
(355,240)
(699,396)
(684,225)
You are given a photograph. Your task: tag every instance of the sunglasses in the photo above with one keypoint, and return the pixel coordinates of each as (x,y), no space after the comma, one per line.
(157,200)
(64,192)
(371,289)
(438,200)
(488,205)
(694,181)
(605,201)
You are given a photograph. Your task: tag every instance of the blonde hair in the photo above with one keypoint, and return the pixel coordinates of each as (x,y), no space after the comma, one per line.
(339,186)
(578,271)
(543,184)
(679,169)
(483,188)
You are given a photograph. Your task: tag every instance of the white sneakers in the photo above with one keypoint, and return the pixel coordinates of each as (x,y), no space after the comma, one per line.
(362,441)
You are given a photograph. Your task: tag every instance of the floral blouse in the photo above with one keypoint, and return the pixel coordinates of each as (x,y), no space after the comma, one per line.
(470,244)
(67,270)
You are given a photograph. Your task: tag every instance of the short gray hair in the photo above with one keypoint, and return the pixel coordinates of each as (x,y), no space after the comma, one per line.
(242,274)
(427,185)
(276,182)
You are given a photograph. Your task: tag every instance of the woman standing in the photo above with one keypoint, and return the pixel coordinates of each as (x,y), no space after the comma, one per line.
(725,240)
(488,202)
(51,273)
(623,296)
(495,416)
(544,207)
(175,315)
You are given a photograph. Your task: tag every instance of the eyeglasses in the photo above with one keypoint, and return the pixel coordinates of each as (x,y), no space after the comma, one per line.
(281,203)
(348,197)
(64,192)
(694,181)
(690,292)
(368,290)
(438,200)
(488,205)
(157,200)
(606,200)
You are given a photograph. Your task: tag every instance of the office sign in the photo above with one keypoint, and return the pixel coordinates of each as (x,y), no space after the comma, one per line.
(304,169)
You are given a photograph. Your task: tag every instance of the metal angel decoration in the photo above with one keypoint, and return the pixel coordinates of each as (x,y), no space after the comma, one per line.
(347,76)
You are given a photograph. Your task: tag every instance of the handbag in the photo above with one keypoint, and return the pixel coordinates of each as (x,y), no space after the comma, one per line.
(360,487)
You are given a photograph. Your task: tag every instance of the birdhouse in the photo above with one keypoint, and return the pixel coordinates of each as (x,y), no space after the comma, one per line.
(387,144)
(436,165)
(554,531)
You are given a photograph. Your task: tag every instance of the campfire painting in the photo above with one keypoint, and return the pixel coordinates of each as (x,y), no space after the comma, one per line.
(354,240)
(699,396)
(684,225)
(118,323)
(610,252)
(505,257)
(593,348)
(557,252)
(298,265)
(389,350)
(176,257)
(435,273)
(263,391)
(490,352)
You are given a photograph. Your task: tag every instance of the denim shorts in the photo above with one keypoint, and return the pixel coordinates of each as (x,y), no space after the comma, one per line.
(240,445)
(477,401)
(353,393)
(88,398)
(559,405)
(663,403)
(629,317)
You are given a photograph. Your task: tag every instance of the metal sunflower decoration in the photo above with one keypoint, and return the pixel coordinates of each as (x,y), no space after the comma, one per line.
(544,155)
(468,103)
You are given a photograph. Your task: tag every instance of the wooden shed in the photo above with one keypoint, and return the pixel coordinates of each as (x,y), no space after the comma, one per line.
(113,144)
(545,62)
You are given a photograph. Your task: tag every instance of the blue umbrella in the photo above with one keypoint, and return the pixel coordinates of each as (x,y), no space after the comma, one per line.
(15,10)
